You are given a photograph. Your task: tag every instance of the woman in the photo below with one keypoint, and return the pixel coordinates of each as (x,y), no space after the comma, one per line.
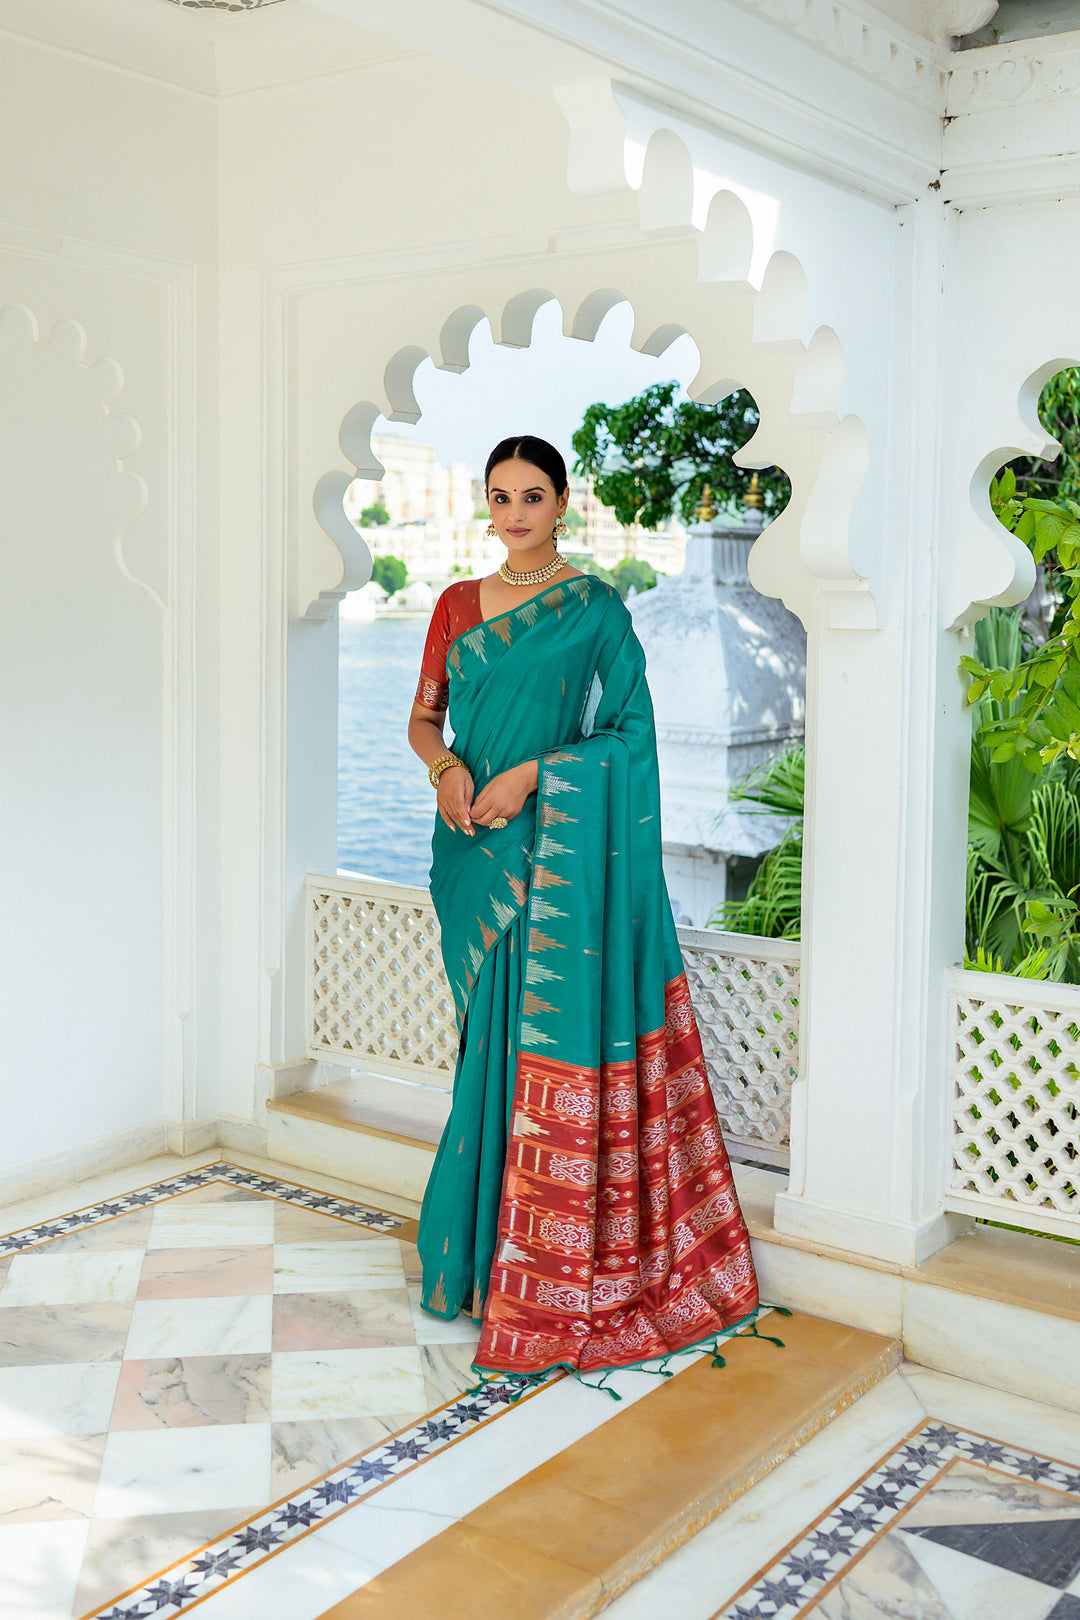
(581,1202)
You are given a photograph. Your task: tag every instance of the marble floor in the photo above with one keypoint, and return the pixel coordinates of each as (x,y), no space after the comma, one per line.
(972,1514)
(217,1390)
(177,1357)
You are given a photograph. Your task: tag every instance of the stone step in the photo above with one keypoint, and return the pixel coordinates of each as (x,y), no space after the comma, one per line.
(370,1129)
(570,1535)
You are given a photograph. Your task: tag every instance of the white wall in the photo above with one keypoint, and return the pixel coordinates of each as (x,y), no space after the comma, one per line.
(107,214)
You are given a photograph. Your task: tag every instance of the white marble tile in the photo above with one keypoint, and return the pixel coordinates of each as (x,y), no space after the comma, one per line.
(300,1583)
(432,1330)
(183,1470)
(323,1268)
(378,1534)
(973,1590)
(40,1278)
(700,1578)
(57,1398)
(1010,1418)
(230,1325)
(39,1568)
(993,1343)
(212,1225)
(346,1383)
(822,1286)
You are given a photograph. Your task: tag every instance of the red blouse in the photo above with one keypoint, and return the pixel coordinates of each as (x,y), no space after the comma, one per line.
(456,611)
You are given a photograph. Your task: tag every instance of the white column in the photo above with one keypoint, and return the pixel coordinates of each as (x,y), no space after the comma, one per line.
(888,748)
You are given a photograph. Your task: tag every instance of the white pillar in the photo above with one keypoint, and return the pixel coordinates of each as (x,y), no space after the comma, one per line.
(888,749)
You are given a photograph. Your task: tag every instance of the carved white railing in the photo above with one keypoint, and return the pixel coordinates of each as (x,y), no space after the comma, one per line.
(746,998)
(1015,1073)
(378,1000)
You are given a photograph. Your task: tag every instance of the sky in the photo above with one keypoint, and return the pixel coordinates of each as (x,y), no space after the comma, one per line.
(543,389)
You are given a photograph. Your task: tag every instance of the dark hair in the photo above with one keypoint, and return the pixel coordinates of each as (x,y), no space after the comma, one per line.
(525,447)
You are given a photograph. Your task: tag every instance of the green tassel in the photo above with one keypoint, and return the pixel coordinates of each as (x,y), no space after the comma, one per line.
(603,1384)
(754,1334)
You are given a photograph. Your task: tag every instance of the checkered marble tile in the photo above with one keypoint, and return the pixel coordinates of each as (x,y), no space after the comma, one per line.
(173,1361)
(949,1526)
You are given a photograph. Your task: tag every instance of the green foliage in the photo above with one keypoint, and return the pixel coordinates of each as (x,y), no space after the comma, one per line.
(1023,866)
(652,458)
(390,573)
(1037,720)
(773,904)
(1059,412)
(641,575)
(374,516)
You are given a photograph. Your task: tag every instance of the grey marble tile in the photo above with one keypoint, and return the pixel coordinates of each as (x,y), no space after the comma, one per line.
(301,1452)
(33,1335)
(884,1584)
(447,1371)
(122,1553)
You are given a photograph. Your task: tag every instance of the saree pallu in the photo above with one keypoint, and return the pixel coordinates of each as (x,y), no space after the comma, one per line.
(581,1203)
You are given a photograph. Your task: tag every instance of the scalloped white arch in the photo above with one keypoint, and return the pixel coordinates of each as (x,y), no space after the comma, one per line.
(1006,568)
(748,335)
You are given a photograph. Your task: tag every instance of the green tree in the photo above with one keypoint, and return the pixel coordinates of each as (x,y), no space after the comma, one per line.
(588,565)
(374,516)
(652,457)
(390,573)
(641,575)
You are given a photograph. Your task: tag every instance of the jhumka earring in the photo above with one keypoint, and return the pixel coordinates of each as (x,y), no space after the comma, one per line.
(491,531)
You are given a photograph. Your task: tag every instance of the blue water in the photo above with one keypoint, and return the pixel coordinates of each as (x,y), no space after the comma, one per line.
(386,809)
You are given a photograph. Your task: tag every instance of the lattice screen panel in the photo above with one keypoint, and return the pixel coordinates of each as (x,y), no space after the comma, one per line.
(379,995)
(746,996)
(379,999)
(1016,1099)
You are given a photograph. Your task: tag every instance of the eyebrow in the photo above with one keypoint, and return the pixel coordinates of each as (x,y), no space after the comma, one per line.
(533,489)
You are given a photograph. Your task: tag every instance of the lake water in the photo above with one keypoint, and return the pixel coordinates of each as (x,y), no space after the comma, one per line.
(386,809)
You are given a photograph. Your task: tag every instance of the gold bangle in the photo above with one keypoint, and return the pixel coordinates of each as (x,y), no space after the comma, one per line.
(443,763)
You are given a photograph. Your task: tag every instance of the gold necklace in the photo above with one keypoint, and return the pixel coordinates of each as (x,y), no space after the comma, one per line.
(532,576)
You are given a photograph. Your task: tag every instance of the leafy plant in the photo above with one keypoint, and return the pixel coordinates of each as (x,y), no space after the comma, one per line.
(773,904)
(1040,720)
(1023,865)
(652,457)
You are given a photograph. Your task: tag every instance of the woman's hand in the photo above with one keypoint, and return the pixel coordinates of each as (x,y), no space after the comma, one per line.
(455,793)
(505,794)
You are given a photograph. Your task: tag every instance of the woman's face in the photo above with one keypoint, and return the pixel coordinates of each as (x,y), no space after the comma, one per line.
(523,504)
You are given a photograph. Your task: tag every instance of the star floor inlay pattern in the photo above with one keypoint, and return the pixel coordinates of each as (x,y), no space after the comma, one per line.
(174,1360)
(949,1526)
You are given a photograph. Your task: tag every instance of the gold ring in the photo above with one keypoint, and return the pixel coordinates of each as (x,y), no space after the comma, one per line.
(500,821)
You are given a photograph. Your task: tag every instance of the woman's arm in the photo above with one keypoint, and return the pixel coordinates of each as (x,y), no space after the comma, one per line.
(455,790)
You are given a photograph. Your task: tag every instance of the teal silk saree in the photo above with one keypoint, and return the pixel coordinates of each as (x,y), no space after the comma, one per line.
(581,1204)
